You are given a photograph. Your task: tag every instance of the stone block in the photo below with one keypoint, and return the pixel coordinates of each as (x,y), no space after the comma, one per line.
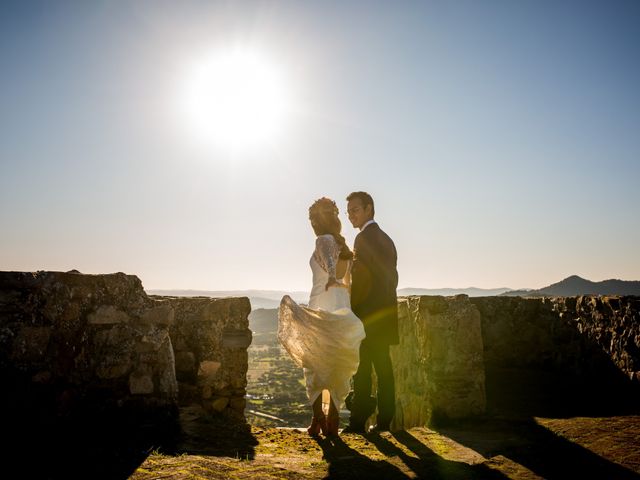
(160,315)
(185,361)
(43,377)
(232,338)
(207,392)
(107,314)
(218,404)
(30,344)
(238,403)
(110,368)
(140,384)
(153,340)
(207,370)
(167,383)
(438,365)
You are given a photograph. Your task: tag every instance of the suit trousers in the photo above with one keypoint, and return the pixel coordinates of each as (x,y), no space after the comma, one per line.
(374,355)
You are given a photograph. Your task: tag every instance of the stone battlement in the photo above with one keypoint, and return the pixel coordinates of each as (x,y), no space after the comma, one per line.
(71,343)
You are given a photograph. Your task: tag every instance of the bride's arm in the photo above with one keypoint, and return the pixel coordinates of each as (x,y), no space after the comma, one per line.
(325,247)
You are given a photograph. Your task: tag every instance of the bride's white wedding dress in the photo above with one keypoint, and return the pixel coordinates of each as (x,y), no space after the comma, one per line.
(323,338)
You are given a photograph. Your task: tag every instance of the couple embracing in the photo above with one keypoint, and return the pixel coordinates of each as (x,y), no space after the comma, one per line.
(350,321)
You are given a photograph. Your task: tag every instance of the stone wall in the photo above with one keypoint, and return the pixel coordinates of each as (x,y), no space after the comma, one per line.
(210,340)
(438,364)
(582,335)
(526,332)
(560,356)
(72,343)
(610,324)
(460,357)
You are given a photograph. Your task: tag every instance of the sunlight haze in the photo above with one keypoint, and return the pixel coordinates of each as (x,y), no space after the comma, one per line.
(183,142)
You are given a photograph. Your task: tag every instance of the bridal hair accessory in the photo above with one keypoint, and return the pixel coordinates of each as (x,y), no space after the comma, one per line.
(323,206)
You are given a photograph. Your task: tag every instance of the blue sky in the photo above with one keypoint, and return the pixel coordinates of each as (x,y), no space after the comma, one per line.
(499,140)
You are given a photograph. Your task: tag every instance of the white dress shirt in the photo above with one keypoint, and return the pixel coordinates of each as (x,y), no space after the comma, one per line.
(367,224)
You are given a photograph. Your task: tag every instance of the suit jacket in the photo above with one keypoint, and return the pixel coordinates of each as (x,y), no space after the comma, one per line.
(374,280)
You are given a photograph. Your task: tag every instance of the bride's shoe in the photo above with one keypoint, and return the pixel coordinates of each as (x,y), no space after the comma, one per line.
(333,424)
(317,424)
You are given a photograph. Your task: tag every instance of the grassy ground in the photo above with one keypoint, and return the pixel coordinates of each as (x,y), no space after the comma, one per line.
(606,447)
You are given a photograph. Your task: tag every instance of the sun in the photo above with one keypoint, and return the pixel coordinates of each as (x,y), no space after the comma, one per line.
(236,100)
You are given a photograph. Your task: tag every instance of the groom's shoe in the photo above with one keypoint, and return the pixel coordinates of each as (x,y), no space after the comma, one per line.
(354,428)
(379,428)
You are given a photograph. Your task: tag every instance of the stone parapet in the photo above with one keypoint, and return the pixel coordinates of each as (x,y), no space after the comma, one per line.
(72,343)
(210,340)
(83,342)
(581,335)
(438,365)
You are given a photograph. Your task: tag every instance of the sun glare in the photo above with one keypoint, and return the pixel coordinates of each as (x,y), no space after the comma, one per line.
(235,100)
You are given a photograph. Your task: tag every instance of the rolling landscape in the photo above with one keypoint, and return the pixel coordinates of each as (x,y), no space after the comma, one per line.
(570,286)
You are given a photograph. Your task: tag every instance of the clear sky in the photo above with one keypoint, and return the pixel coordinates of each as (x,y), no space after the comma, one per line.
(499,139)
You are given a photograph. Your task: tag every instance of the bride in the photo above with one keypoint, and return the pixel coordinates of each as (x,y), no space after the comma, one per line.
(324,338)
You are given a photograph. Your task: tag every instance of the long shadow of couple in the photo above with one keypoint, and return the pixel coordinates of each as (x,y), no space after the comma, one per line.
(346,462)
(523,448)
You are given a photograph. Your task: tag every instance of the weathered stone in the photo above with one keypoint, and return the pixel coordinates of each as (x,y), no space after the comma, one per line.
(238,403)
(100,333)
(438,365)
(236,338)
(166,372)
(107,314)
(238,381)
(161,315)
(30,344)
(565,334)
(42,377)
(140,384)
(207,392)
(153,340)
(110,368)
(185,361)
(70,314)
(208,370)
(178,341)
(218,404)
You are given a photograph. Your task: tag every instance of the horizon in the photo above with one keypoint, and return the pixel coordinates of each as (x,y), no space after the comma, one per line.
(271,290)
(183,143)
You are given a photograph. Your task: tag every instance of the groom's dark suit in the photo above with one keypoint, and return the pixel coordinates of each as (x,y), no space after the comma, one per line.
(374,280)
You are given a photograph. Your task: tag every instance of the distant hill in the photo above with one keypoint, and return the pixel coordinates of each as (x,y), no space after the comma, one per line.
(268,299)
(571,286)
(258,298)
(263,320)
(447,292)
(574,285)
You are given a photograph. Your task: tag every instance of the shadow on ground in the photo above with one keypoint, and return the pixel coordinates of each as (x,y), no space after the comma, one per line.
(345,462)
(114,447)
(534,447)
(516,397)
(517,445)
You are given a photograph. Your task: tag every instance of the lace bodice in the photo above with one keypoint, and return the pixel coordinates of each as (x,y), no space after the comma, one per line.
(323,264)
(326,254)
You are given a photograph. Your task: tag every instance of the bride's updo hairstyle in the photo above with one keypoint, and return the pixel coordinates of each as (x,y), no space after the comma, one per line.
(324,220)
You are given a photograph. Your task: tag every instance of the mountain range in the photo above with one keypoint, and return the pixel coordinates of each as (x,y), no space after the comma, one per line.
(575,285)
(258,298)
(570,286)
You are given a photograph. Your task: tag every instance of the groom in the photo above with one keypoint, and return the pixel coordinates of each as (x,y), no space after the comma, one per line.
(374,280)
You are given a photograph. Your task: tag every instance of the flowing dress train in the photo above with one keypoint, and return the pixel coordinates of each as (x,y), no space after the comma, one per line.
(323,338)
